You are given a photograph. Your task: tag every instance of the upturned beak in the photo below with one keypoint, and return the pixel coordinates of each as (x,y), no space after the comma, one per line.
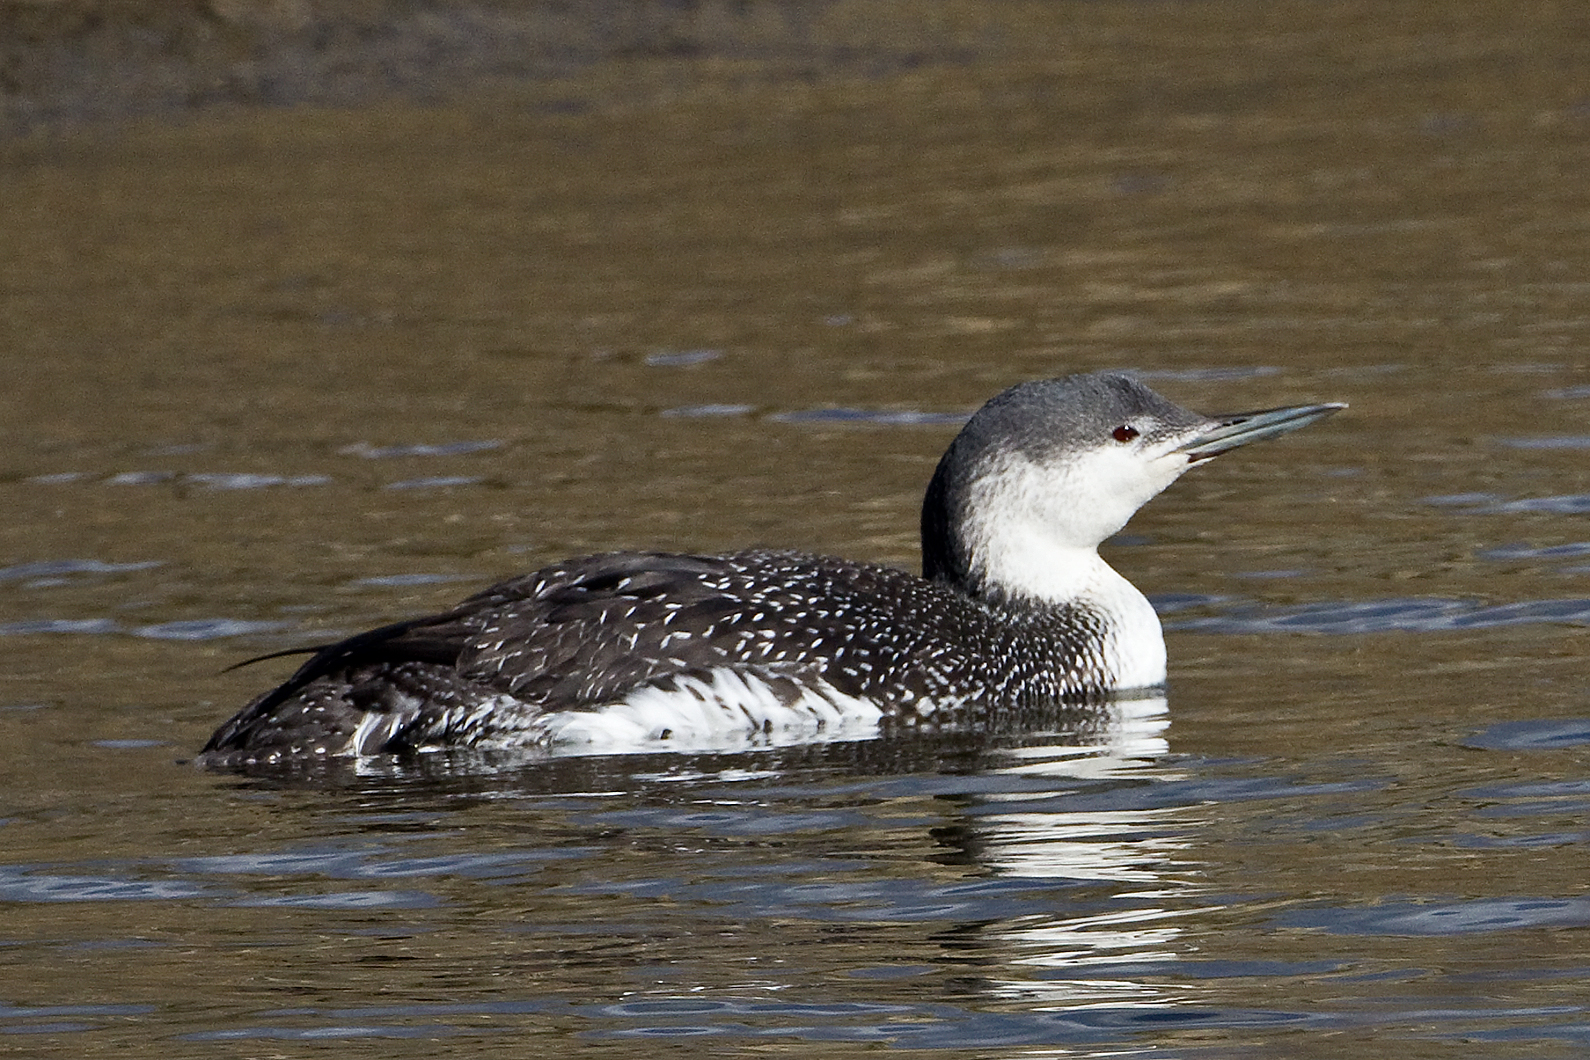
(1244,427)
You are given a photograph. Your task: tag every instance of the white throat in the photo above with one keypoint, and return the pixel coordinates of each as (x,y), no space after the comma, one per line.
(1134,643)
(1026,542)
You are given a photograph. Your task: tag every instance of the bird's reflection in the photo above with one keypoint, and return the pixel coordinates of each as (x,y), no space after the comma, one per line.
(1054,870)
(1067,819)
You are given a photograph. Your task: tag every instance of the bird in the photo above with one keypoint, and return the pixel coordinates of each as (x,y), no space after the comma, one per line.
(627,651)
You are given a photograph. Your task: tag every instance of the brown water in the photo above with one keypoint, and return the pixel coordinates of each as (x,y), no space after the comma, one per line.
(275,375)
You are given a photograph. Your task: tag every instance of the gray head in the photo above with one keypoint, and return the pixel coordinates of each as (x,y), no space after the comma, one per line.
(1044,472)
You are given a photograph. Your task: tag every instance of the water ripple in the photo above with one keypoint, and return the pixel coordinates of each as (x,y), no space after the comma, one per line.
(434,482)
(1557,441)
(209,480)
(375,864)
(30,626)
(22,883)
(1409,918)
(1510,552)
(391,1030)
(708,410)
(47,1019)
(13,1012)
(1207,375)
(1493,504)
(385,581)
(1416,615)
(913,1025)
(140,478)
(1166,794)
(206,629)
(887,418)
(1537,789)
(56,568)
(1567,393)
(185,629)
(934,1026)
(217,480)
(347,900)
(1538,734)
(863,899)
(681,358)
(385,452)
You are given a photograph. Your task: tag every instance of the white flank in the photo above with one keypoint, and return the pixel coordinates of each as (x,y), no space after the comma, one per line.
(377,727)
(374,730)
(726,711)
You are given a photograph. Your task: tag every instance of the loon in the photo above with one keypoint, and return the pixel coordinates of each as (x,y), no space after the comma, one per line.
(1014,610)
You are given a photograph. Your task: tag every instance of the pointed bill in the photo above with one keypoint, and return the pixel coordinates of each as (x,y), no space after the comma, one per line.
(1245,427)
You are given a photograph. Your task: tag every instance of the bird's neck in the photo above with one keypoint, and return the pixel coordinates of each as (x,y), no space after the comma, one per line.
(1092,602)
(1020,562)
(1015,564)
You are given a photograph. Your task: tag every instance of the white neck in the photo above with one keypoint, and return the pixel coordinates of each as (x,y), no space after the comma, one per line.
(1026,544)
(1033,567)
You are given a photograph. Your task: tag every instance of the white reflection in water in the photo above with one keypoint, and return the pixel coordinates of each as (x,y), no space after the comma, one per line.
(1112,845)
(1101,844)
(1124,736)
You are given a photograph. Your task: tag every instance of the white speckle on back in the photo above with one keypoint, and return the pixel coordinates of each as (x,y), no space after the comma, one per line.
(652,651)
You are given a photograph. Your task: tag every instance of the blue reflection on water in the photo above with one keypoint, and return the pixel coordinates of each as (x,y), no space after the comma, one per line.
(184,629)
(387,452)
(877,417)
(376,862)
(921,1026)
(1495,504)
(433,482)
(1416,614)
(57,568)
(1444,918)
(30,883)
(342,900)
(1536,734)
(934,1026)
(1074,881)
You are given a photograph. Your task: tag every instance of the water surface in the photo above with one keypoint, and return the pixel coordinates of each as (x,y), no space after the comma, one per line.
(279,375)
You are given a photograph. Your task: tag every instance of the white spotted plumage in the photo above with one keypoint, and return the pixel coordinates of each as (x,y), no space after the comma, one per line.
(1016,611)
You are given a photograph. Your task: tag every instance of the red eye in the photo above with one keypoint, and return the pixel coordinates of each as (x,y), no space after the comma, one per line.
(1124,433)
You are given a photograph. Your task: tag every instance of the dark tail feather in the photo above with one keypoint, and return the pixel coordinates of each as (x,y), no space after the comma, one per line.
(276,655)
(397,642)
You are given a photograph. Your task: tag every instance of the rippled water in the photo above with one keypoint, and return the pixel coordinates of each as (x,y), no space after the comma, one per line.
(277,376)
